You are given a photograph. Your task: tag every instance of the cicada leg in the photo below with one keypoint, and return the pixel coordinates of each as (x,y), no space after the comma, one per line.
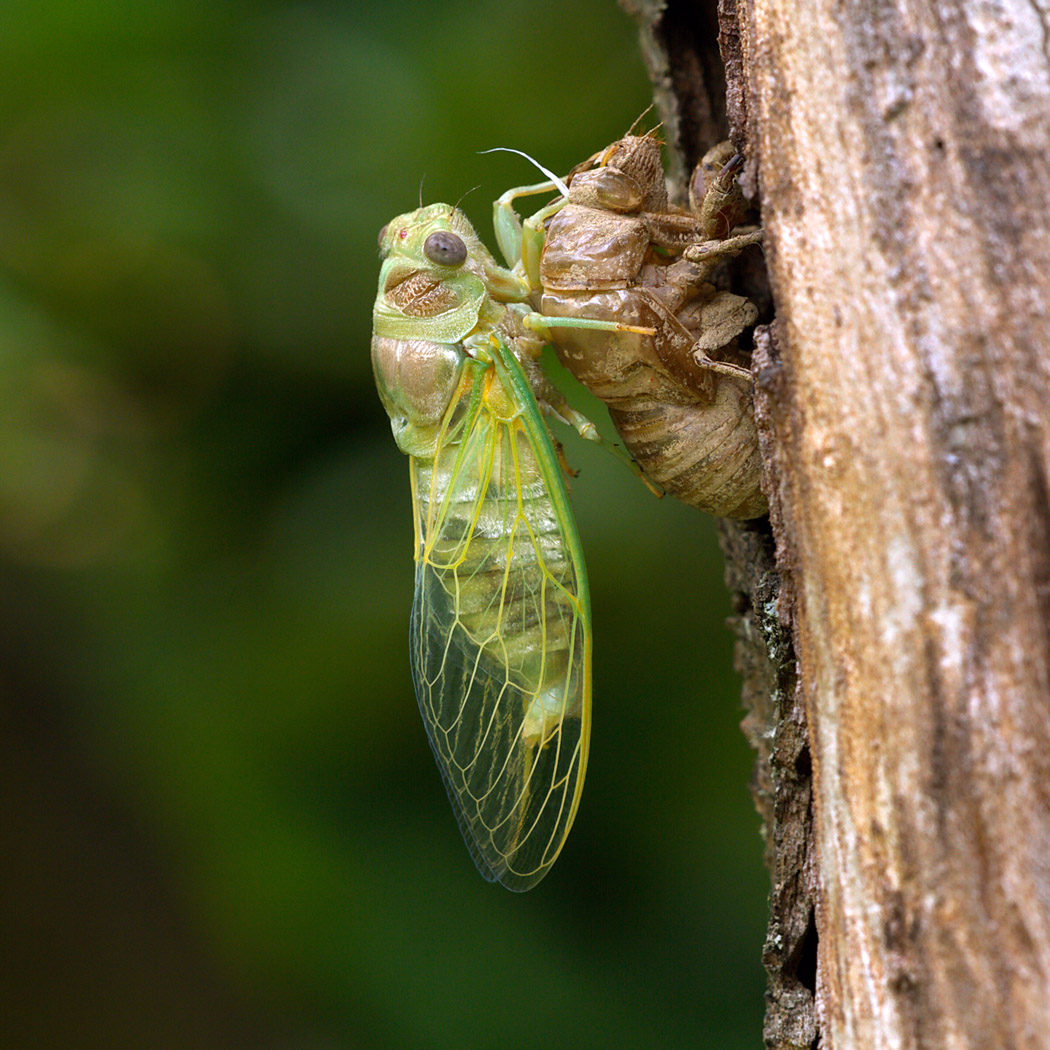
(586,429)
(541,323)
(532,241)
(563,412)
(522,243)
(553,404)
(714,192)
(708,254)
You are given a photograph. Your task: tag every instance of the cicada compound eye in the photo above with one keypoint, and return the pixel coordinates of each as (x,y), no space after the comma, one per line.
(445,248)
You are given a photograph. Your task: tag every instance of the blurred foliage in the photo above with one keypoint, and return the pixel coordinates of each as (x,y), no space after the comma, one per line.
(223,826)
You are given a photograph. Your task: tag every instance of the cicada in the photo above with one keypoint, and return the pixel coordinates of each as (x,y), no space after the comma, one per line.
(501,623)
(610,247)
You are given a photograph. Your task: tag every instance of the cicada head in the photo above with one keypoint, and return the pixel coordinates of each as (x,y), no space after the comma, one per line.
(438,279)
(437,285)
(638,157)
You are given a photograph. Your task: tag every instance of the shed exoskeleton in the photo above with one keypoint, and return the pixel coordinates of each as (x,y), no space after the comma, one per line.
(615,250)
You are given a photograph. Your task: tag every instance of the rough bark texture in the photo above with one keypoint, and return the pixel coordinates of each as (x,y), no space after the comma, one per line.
(902,153)
(695,94)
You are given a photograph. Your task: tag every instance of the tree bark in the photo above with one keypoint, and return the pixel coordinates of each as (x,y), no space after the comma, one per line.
(902,157)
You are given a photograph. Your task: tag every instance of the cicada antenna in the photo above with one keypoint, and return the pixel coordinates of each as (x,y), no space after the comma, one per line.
(422,179)
(461,196)
(640,118)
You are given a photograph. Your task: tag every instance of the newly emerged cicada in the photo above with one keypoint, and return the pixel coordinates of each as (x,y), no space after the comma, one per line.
(611,248)
(501,623)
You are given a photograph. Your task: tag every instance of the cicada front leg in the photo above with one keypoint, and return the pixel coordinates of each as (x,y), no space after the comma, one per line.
(521,242)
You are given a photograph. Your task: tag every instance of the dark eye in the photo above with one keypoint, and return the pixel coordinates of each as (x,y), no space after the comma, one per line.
(445,249)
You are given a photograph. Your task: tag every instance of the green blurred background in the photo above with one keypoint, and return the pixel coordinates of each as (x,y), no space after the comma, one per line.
(222,823)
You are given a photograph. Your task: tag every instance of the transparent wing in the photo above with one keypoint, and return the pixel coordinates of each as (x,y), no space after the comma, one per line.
(500,636)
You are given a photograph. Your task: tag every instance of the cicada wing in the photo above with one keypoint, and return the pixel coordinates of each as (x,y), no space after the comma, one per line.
(500,643)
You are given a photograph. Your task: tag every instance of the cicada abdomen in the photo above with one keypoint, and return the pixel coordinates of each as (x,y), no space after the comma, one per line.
(679,398)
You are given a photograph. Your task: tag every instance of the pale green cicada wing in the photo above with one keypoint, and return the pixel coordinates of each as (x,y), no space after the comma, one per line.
(501,631)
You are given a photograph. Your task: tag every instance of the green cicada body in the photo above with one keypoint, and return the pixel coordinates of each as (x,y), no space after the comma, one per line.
(500,628)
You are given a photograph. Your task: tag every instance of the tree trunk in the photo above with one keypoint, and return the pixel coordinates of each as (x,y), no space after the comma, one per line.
(902,156)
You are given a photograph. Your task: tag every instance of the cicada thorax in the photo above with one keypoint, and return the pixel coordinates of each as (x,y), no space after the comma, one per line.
(681,404)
